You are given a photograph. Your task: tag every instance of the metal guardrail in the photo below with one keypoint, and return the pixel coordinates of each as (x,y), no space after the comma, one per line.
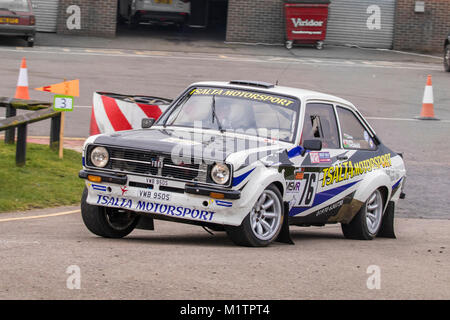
(42,111)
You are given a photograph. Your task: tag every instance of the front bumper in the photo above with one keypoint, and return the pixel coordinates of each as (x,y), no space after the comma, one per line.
(17,30)
(161,16)
(171,198)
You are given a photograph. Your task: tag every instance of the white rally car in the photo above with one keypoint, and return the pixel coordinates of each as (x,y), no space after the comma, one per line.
(250,158)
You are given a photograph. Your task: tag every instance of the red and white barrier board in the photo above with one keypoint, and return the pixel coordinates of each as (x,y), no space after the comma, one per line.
(115,112)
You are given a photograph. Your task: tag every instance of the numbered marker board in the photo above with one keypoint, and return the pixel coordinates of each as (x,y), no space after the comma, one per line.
(63,103)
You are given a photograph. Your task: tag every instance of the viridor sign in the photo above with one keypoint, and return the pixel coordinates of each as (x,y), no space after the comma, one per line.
(298,22)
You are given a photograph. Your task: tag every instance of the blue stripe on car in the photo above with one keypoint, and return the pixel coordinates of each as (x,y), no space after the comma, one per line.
(396,184)
(294,152)
(98,187)
(322,197)
(224,203)
(241,178)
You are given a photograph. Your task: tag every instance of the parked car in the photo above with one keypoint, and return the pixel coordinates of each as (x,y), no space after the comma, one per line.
(447,53)
(155,11)
(17,19)
(250,158)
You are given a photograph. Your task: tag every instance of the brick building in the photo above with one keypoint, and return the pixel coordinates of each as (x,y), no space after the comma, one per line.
(422,31)
(398,24)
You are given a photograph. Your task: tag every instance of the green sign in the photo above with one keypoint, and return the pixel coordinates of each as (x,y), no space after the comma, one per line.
(63,103)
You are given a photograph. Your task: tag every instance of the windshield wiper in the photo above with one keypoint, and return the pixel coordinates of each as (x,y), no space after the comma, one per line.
(214,115)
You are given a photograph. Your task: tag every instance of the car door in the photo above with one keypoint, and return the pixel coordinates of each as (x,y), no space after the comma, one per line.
(304,188)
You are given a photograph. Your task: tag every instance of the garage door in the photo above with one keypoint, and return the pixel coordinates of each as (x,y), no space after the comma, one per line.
(366,23)
(46,12)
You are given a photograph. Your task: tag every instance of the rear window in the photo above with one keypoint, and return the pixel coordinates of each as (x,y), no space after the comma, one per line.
(14,5)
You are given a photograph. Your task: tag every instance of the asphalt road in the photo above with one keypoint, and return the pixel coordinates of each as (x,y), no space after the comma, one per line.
(179,261)
(184,262)
(386,89)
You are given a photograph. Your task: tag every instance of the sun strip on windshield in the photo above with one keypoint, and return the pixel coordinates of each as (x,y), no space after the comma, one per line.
(261,97)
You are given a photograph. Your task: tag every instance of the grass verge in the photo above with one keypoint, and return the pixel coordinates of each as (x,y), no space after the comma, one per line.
(45,180)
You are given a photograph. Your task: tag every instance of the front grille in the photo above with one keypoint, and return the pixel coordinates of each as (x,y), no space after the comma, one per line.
(156,164)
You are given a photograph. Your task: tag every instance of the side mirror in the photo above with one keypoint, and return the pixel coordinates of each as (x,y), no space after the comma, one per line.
(315,145)
(147,123)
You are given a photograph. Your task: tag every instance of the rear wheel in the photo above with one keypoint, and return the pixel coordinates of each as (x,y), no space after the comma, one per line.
(447,58)
(107,222)
(263,224)
(366,224)
(30,41)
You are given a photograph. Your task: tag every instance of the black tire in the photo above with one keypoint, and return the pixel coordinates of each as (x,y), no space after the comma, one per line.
(447,58)
(243,234)
(99,220)
(30,41)
(357,229)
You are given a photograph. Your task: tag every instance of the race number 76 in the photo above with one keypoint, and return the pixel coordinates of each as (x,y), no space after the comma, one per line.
(309,190)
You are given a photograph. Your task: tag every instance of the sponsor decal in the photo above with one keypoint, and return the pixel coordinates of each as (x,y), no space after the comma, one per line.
(366,136)
(330,208)
(320,157)
(176,211)
(303,190)
(124,189)
(98,187)
(282,101)
(348,170)
(298,22)
(299,174)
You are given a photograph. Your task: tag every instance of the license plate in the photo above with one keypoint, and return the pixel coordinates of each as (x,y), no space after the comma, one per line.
(9,20)
(163,1)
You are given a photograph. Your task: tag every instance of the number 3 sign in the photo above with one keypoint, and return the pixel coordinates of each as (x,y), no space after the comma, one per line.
(63,103)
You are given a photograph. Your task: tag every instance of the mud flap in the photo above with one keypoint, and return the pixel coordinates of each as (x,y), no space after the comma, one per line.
(387,225)
(145,223)
(285,236)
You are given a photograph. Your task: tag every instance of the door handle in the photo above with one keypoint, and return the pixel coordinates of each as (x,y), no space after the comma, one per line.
(342,157)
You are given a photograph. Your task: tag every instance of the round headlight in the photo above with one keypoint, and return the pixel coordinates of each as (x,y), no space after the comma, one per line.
(99,157)
(220,173)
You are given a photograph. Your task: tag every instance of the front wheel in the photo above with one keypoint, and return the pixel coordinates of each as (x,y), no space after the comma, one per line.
(447,58)
(30,41)
(366,224)
(263,224)
(107,222)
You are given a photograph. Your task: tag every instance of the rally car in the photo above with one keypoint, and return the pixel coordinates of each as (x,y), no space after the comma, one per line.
(250,158)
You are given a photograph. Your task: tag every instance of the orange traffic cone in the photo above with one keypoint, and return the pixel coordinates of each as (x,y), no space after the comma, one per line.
(22,83)
(427,112)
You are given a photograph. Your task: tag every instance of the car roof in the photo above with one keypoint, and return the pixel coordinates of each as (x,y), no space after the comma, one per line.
(301,94)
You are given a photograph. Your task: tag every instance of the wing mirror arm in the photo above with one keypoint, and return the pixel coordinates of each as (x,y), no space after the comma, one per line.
(147,123)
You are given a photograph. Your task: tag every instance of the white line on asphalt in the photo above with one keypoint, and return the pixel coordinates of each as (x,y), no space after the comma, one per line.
(40,216)
(324,62)
(403,119)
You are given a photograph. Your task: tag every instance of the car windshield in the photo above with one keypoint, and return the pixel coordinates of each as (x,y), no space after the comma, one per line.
(249,112)
(14,5)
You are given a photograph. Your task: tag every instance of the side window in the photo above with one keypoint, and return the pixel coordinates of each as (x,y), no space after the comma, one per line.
(354,135)
(320,123)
